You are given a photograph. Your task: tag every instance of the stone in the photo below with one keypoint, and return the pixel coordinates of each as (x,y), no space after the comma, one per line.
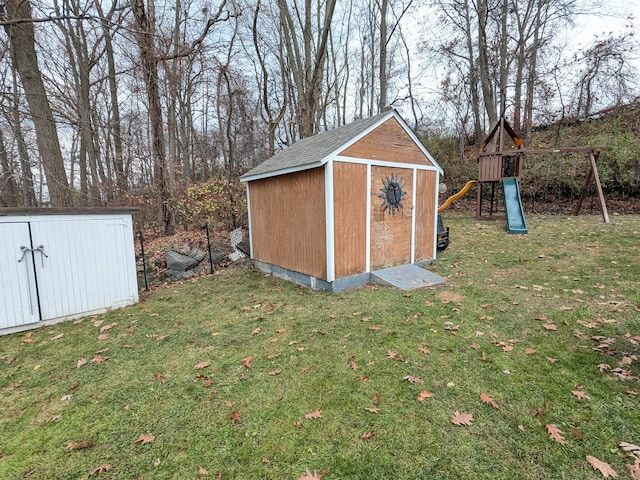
(217,257)
(197,254)
(179,262)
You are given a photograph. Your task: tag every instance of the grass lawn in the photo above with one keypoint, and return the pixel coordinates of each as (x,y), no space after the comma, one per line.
(244,376)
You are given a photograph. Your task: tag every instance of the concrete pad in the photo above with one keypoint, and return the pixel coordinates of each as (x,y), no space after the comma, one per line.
(406,277)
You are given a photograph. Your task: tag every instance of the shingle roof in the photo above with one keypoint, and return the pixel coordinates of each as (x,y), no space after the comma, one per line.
(314,151)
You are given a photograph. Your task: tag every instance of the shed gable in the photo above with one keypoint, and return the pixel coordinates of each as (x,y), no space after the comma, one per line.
(388,142)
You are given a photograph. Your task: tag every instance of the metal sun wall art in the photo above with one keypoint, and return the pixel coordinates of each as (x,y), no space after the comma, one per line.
(392,194)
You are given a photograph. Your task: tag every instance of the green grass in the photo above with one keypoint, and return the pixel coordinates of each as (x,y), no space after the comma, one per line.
(572,271)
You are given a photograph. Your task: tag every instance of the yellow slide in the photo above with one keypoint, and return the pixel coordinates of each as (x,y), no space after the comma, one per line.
(458,195)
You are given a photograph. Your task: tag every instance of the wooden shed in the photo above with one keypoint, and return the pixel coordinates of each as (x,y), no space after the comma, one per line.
(332,208)
(59,264)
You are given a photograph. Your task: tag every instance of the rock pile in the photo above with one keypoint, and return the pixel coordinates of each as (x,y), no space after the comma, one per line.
(187,262)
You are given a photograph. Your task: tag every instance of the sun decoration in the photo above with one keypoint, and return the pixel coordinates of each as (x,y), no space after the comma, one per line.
(392,194)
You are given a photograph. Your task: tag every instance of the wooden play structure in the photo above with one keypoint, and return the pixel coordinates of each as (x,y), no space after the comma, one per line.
(503,168)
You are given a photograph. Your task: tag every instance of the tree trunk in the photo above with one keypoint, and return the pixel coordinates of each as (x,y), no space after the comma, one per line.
(28,192)
(149,59)
(382,101)
(483,62)
(9,196)
(25,61)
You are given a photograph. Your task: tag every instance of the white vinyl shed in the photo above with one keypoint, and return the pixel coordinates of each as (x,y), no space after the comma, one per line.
(58,264)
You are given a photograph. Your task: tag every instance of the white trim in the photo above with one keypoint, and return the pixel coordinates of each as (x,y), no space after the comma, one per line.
(298,168)
(367,265)
(249,222)
(329,219)
(413,217)
(383,163)
(435,219)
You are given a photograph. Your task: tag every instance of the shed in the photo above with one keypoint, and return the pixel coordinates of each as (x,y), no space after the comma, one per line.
(332,208)
(59,264)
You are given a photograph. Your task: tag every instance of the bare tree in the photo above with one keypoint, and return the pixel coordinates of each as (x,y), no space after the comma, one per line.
(23,54)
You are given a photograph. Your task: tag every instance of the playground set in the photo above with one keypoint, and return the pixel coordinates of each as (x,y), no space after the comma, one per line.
(502,167)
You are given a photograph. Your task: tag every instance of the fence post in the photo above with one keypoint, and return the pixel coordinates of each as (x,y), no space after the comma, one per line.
(144,263)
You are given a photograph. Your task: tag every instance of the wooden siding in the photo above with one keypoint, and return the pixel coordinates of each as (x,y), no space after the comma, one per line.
(350,218)
(288,221)
(389,142)
(390,234)
(425,215)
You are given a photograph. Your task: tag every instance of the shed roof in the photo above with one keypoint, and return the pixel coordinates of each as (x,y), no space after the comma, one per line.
(315,151)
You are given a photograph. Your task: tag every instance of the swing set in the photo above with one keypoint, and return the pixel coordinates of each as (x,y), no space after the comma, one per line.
(503,167)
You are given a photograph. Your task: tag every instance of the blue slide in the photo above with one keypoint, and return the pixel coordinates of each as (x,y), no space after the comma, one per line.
(513,206)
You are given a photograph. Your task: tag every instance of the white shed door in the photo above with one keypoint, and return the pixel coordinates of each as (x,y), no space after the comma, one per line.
(18,293)
(83,269)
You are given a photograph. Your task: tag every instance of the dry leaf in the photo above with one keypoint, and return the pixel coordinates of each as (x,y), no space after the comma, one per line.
(475,346)
(631,448)
(105,467)
(202,471)
(52,419)
(273,356)
(58,337)
(604,467)
(634,469)
(530,351)
(550,326)
(460,419)
(82,444)
(552,360)
(580,394)
(577,434)
(247,361)
(367,435)
(142,439)
(424,350)
(81,362)
(372,409)
(256,331)
(11,387)
(66,398)
(201,365)
(234,416)
(314,414)
(313,476)
(98,359)
(555,433)
(484,398)
(274,372)
(412,379)
(425,394)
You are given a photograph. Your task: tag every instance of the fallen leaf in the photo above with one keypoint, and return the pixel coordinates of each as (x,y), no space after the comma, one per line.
(425,394)
(298,424)
(424,350)
(66,398)
(234,416)
(507,348)
(372,409)
(552,360)
(314,414)
(412,379)
(98,359)
(105,467)
(604,366)
(202,471)
(142,439)
(58,337)
(82,444)
(630,448)
(577,434)
(530,351)
(550,326)
(11,387)
(273,356)
(201,365)
(313,476)
(52,419)
(265,460)
(247,361)
(555,433)
(460,419)
(367,435)
(256,331)
(375,327)
(274,372)
(580,394)
(484,398)
(81,362)
(604,467)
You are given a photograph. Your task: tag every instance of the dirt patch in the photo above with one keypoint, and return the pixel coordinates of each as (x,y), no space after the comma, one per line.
(450,297)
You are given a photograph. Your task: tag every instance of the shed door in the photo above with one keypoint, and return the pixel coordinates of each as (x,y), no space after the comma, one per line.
(18,293)
(83,270)
(391,216)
